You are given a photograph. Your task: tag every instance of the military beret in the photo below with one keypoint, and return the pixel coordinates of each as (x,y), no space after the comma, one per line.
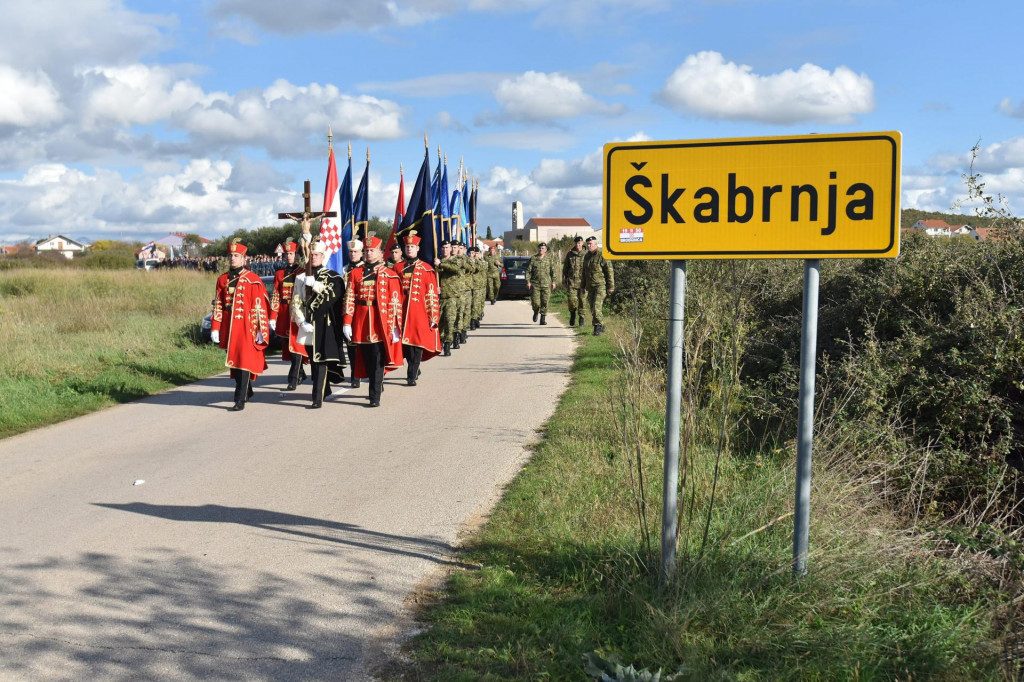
(591,239)
(396,246)
(578,239)
(544,244)
(446,242)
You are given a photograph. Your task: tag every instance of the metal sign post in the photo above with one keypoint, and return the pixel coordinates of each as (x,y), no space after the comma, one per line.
(805,418)
(669,523)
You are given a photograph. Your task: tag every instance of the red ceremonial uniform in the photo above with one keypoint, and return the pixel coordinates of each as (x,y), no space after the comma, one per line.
(373,308)
(240,316)
(422,308)
(280,302)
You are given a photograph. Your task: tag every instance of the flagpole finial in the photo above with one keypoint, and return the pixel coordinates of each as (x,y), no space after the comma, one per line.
(330,145)
(426,145)
(367,155)
(350,150)
(401,169)
(438,152)
(446,159)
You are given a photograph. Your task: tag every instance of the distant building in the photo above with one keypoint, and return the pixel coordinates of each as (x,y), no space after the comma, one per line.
(175,240)
(546,229)
(933,228)
(66,246)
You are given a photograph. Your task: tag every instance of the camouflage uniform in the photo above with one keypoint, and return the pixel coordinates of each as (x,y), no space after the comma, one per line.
(572,280)
(479,288)
(495,264)
(540,273)
(465,295)
(598,280)
(448,271)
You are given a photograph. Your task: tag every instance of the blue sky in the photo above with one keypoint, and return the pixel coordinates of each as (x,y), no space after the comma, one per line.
(125,119)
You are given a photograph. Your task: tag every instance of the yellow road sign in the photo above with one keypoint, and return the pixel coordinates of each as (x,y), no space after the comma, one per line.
(806,196)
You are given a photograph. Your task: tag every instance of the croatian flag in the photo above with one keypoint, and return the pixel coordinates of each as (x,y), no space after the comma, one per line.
(330,228)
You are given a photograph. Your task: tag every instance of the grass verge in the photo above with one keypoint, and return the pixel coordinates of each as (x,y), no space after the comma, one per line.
(72,342)
(564,572)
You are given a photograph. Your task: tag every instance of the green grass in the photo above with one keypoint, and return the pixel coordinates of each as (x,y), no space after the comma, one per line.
(563,571)
(74,342)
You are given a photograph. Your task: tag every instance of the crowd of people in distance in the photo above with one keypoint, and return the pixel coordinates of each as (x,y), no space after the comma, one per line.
(377,315)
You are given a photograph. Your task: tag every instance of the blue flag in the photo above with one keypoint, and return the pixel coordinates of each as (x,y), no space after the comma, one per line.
(361,210)
(455,226)
(419,216)
(339,260)
(442,213)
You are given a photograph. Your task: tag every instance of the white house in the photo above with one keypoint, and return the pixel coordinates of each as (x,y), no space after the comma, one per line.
(933,228)
(64,245)
(546,229)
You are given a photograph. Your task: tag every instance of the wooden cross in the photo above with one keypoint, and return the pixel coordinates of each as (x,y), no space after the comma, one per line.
(305,218)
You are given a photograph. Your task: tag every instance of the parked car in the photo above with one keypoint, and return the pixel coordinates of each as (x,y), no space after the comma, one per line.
(146,263)
(513,277)
(207,325)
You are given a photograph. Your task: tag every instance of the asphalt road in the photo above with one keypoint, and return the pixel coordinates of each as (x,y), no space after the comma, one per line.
(173,539)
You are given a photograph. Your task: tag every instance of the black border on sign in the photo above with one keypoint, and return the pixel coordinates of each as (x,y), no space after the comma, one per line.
(737,143)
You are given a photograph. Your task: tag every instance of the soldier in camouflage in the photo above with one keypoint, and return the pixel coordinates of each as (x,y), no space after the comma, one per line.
(465,291)
(479,287)
(572,280)
(540,280)
(448,269)
(495,263)
(598,281)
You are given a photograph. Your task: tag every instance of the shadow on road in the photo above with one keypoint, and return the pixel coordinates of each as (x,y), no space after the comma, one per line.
(347,534)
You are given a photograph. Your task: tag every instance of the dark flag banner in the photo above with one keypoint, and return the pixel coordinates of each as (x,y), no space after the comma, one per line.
(419,217)
(345,210)
(361,207)
(399,213)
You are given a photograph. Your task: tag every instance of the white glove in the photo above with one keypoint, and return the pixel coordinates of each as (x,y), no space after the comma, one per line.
(298,317)
(395,335)
(300,279)
(307,237)
(307,327)
(318,287)
(273,323)
(215,336)
(347,331)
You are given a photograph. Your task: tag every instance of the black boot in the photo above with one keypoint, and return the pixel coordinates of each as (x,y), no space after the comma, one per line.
(536,314)
(598,329)
(572,319)
(543,319)
(492,301)
(455,344)
(447,348)
(465,336)
(582,321)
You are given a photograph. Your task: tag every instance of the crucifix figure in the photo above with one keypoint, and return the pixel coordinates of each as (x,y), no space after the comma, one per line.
(304,220)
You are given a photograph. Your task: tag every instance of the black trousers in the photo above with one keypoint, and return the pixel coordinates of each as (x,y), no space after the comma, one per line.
(414,356)
(323,374)
(295,370)
(242,378)
(374,356)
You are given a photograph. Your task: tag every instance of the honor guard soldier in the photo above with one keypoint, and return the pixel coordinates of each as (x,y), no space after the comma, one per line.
(320,319)
(373,319)
(355,260)
(395,257)
(281,319)
(540,280)
(598,281)
(448,269)
(421,314)
(572,280)
(241,322)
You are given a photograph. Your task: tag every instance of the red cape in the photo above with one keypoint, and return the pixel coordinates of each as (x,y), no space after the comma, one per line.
(242,319)
(375,323)
(422,309)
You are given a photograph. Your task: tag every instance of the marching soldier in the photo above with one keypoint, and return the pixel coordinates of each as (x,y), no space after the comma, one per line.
(320,319)
(540,280)
(598,281)
(281,319)
(355,260)
(479,280)
(465,289)
(241,322)
(572,280)
(373,319)
(448,269)
(495,263)
(422,310)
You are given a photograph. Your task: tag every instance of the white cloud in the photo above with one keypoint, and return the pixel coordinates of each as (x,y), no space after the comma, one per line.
(323,16)
(1007,107)
(28,99)
(445,84)
(138,94)
(535,97)
(706,85)
(541,140)
(195,197)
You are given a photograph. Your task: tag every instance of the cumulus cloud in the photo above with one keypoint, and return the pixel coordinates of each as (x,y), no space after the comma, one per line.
(29,99)
(1008,108)
(706,85)
(541,140)
(322,16)
(196,196)
(535,97)
(137,94)
(582,172)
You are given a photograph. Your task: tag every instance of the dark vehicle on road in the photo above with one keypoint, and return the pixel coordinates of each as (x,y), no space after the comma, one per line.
(207,325)
(513,277)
